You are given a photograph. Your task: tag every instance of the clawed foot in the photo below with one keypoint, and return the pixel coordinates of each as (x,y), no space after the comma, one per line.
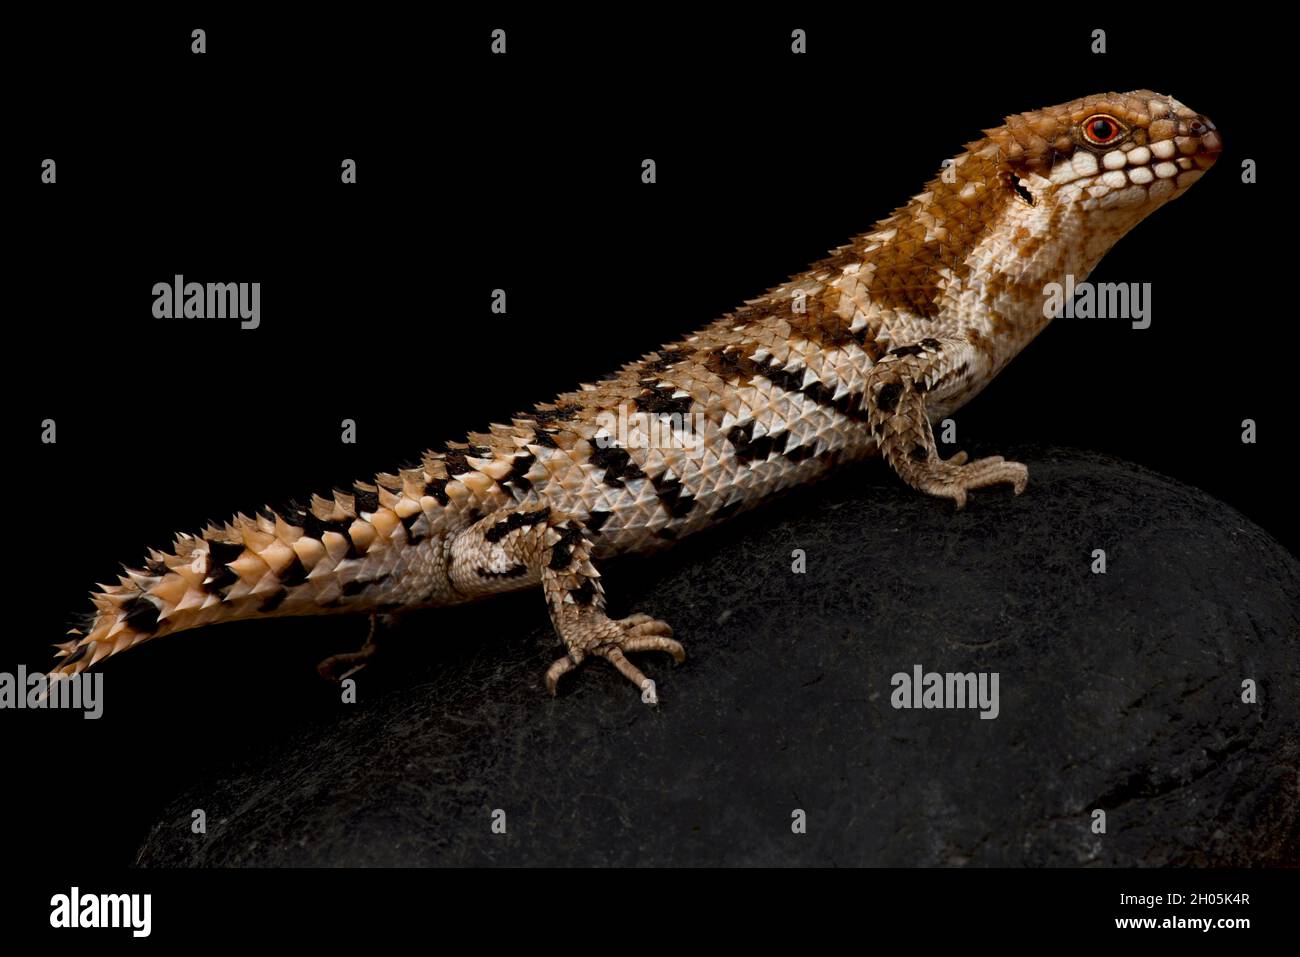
(636,633)
(955,477)
(338,667)
(332,668)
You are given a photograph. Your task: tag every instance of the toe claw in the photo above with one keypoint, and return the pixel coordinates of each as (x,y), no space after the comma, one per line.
(559,668)
(635,633)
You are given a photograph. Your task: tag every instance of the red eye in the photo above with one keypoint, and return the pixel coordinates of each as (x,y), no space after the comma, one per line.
(1102,129)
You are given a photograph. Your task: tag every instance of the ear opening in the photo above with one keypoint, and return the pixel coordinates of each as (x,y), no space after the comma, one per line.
(1025,195)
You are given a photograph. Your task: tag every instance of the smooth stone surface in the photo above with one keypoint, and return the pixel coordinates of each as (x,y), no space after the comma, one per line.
(1120,692)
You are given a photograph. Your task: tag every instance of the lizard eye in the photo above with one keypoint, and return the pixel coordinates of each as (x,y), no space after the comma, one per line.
(1099,130)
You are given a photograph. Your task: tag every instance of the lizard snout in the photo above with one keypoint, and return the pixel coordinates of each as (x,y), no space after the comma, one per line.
(1209,143)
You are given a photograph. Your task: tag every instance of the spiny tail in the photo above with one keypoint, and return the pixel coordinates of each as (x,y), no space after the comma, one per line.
(335,555)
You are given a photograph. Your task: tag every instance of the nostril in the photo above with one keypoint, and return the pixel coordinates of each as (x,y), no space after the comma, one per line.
(1202,126)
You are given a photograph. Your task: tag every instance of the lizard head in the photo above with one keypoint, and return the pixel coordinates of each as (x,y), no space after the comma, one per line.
(1113,157)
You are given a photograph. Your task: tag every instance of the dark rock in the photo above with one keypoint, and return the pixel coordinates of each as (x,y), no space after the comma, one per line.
(1120,692)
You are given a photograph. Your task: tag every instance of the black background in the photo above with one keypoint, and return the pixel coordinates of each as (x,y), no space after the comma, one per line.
(523,172)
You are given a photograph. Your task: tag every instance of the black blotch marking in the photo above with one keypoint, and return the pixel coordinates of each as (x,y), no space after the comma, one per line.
(930,343)
(275,601)
(224,552)
(734,363)
(726,363)
(669,358)
(513,521)
(660,400)
(289,512)
(220,554)
(221,579)
(315,528)
(887,397)
(455,462)
(141,614)
(455,458)
(748,448)
(596,521)
(848,405)
(671,497)
(903,351)
(409,522)
(294,573)
(786,379)
(156,568)
(437,488)
(865,338)
(799,453)
(518,471)
(618,465)
(585,593)
(366,501)
(543,438)
(562,551)
(668,534)
(919,453)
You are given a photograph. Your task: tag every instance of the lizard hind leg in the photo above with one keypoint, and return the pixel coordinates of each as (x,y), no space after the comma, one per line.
(609,640)
(523,545)
(344,665)
(576,599)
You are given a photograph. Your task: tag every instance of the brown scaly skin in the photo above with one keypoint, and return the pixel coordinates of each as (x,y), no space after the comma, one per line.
(857,355)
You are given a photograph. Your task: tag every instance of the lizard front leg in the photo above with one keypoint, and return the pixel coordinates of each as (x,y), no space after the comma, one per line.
(898,389)
(521,545)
